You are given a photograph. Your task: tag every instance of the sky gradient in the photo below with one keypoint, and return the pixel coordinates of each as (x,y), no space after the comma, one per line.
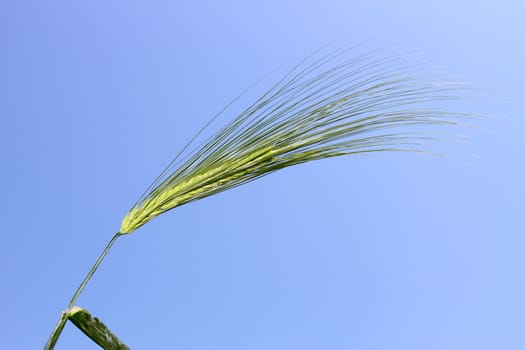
(380,252)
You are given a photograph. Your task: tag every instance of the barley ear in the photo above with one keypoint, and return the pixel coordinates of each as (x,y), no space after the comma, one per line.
(324,107)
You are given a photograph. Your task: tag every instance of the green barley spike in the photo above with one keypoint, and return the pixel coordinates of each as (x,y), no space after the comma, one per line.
(320,109)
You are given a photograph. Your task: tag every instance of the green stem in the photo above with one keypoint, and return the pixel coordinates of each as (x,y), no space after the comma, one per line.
(65,314)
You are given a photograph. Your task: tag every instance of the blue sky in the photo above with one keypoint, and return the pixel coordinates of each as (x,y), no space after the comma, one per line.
(383,252)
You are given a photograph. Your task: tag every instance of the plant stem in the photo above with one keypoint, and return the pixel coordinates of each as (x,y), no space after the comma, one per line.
(92,271)
(65,314)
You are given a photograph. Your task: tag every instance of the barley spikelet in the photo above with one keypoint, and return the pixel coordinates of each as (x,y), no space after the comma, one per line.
(322,108)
